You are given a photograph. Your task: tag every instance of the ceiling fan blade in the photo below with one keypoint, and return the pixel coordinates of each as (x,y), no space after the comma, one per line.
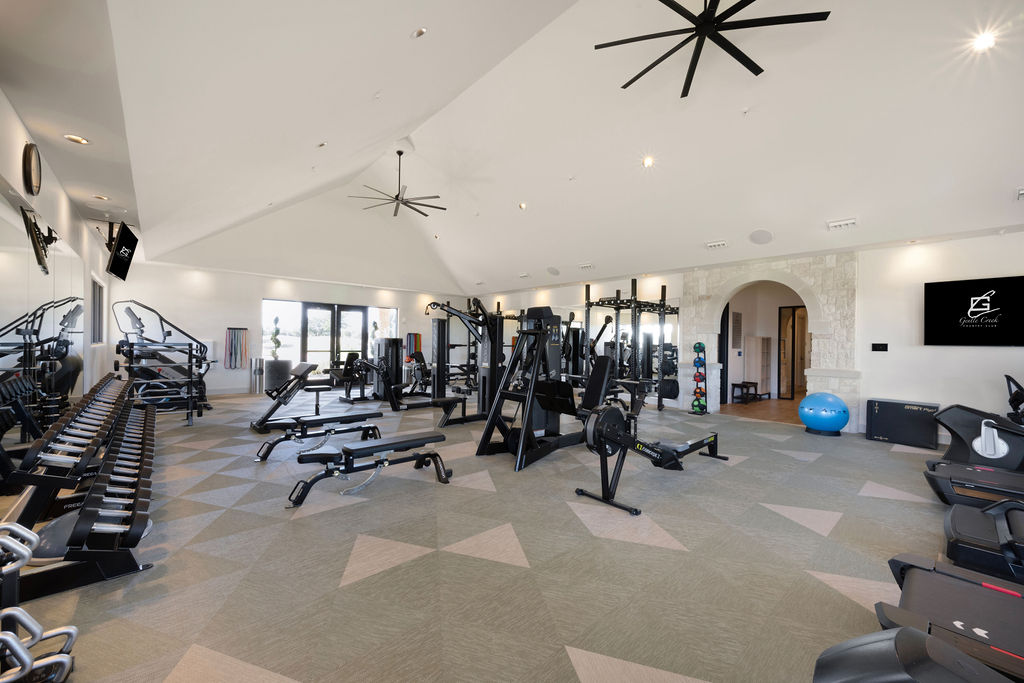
(739,6)
(398,204)
(773,21)
(374,206)
(737,54)
(416,199)
(693,66)
(409,206)
(649,36)
(658,61)
(429,206)
(362,196)
(380,191)
(711,8)
(401,193)
(680,10)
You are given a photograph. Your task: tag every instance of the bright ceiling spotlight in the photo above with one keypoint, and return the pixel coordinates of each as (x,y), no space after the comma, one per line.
(522,206)
(419,33)
(983,41)
(77,139)
(100,197)
(647,161)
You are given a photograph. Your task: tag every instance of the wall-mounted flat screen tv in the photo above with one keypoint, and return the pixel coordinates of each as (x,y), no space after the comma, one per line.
(35,238)
(986,312)
(121,255)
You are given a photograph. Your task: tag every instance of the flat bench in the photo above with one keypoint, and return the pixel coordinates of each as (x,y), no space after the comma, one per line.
(302,425)
(344,463)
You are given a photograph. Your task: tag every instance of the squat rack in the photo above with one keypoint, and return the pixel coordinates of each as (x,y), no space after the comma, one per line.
(636,308)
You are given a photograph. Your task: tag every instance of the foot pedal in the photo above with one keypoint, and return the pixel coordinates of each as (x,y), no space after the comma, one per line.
(263,452)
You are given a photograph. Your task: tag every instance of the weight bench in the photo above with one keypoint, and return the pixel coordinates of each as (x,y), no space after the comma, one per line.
(344,463)
(302,424)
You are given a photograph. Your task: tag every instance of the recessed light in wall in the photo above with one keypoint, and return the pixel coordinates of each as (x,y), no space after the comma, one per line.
(983,41)
(761,237)
(77,139)
(419,33)
(554,271)
(522,206)
(647,161)
(101,197)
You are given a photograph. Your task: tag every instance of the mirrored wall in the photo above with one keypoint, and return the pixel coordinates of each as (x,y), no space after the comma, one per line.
(41,314)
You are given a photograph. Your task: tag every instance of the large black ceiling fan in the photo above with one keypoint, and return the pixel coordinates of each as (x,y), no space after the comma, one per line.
(399,199)
(708,25)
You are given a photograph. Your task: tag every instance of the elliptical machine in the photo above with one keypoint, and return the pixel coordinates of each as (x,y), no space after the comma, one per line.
(980,438)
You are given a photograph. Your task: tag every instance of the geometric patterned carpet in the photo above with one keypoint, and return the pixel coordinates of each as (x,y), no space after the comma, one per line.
(736,571)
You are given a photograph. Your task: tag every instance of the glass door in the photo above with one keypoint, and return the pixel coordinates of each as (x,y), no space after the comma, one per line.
(351,331)
(791,358)
(317,341)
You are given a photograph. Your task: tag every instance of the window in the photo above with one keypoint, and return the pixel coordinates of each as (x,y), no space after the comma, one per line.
(98,307)
(289,324)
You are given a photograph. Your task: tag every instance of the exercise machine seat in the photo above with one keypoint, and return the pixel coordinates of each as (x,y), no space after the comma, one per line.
(989,540)
(899,655)
(396,442)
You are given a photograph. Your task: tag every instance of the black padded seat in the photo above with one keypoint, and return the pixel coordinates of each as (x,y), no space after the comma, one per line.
(316,388)
(321,458)
(973,539)
(395,442)
(347,418)
(447,401)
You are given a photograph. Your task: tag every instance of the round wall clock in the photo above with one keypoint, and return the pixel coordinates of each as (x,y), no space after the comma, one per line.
(31,171)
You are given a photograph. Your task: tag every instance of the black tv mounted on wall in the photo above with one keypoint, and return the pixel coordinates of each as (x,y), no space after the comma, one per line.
(36,239)
(985,312)
(121,252)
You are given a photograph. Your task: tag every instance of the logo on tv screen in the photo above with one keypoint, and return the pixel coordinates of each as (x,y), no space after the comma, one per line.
(987,312)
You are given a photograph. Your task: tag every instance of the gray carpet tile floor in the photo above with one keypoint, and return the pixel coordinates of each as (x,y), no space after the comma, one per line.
(736,571)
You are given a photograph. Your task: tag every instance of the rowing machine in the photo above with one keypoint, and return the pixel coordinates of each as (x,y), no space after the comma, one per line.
(607,435)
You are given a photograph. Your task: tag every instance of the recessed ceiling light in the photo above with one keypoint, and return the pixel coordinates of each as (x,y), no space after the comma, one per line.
(101,197)
(522,205)
(479,282)
(419,33)
(322,144)
(524,275)
(78,139)
(436,236)
(911,241)
(984,41)
(647,161)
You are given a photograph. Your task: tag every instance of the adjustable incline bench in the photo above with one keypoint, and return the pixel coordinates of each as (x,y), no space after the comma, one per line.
(297,428)
(372,455)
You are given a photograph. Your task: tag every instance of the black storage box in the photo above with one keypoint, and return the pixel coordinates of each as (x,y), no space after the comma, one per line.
(911,424)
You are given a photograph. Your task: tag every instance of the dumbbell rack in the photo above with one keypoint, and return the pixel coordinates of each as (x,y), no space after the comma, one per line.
(103,446)
(700,380)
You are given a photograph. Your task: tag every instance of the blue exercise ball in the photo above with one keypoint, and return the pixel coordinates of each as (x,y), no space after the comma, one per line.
(824,413)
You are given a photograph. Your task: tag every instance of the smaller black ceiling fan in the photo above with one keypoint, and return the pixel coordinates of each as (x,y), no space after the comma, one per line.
(399,199)
(708,25)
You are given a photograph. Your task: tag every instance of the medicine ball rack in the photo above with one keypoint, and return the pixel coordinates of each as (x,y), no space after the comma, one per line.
(700,380)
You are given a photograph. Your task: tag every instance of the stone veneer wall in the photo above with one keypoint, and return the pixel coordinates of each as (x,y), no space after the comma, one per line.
(828,286)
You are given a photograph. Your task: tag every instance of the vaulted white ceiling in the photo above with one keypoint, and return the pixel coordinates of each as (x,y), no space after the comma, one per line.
(882,113)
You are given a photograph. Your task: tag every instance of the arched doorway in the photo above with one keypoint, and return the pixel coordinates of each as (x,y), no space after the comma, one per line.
(764,348)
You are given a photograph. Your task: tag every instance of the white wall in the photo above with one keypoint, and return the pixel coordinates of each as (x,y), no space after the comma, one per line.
(205,302)
(890,309)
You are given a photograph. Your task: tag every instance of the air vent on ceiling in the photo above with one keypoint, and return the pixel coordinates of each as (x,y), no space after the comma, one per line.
(844,224)
(586,266)
(717,244)
(1020,194)
(524,275)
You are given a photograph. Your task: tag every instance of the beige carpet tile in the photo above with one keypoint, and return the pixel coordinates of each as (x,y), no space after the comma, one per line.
(203,664)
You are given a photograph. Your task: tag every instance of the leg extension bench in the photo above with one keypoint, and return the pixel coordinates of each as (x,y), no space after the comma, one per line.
(371,454)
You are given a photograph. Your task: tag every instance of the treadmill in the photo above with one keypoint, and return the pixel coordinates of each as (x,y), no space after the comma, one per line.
(989,540)
(976,482)
(979,615)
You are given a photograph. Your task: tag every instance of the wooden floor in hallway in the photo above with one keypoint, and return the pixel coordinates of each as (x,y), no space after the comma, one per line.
(774,410)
